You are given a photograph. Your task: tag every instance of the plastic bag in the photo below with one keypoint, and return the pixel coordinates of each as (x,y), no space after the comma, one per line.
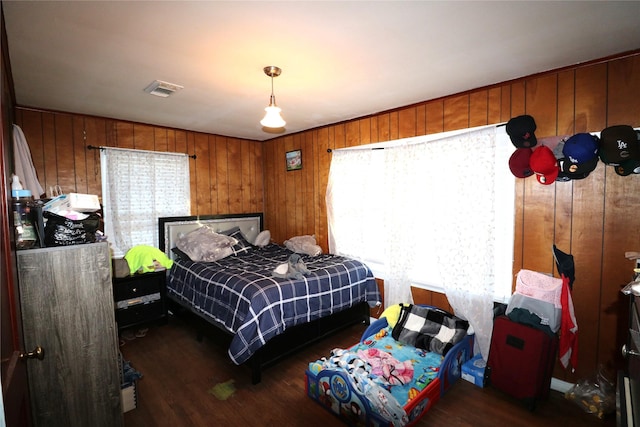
(62,231)
(596,395)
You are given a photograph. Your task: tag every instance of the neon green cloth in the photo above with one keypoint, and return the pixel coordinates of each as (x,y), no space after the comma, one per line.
(223,391)
(142,257)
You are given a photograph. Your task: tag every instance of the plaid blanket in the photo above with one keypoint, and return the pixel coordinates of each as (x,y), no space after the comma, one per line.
(429,328)
(241,293)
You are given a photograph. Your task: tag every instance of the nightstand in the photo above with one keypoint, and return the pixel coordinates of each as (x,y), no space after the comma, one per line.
(140,299)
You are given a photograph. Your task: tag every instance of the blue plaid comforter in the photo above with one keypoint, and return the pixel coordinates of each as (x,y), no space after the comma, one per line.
(240,293)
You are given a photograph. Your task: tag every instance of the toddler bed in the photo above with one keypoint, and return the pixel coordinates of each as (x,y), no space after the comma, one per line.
(387,379)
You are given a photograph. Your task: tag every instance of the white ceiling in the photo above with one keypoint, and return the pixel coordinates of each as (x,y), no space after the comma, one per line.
(340,60)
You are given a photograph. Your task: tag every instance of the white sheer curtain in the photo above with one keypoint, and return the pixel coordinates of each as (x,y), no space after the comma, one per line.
(404,207)
(435,212)
(138,187)
(475,247)
(356,223)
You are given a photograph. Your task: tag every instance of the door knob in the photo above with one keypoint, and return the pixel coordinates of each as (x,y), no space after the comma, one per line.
(37,353)
(627,352)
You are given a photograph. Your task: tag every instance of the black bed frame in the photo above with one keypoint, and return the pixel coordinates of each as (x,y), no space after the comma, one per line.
(280,346)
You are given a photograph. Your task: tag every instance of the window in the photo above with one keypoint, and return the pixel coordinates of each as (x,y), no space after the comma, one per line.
(435,211)
(410,192)
(138,187)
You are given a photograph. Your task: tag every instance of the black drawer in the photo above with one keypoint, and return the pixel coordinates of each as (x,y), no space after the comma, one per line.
(137,314)
(139,299)
(138,285)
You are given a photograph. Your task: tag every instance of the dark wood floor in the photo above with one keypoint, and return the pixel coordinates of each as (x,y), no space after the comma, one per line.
(179,372)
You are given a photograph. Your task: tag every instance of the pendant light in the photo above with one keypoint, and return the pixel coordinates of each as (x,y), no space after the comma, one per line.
(272,118)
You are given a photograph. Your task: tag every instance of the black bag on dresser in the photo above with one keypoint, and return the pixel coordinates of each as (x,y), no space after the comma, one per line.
(62,231)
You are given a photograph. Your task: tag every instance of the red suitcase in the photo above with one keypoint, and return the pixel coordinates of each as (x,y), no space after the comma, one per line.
(521,360)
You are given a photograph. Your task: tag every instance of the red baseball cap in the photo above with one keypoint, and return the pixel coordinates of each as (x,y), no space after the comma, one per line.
(519,162)
(544,164)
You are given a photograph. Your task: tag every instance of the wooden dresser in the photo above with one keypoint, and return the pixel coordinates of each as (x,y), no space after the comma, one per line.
(67,309)
(628,393)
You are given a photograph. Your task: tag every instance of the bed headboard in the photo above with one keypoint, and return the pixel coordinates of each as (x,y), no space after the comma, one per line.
(170,228)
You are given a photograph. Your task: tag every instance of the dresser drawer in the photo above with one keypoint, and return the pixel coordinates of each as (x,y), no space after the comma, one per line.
(141,313)
(139,299)
(138,285)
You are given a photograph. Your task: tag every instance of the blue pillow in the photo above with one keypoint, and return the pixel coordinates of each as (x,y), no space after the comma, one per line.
(243,245)
(181,254)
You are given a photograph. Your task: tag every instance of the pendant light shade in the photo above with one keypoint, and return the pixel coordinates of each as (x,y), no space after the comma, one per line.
(272,118)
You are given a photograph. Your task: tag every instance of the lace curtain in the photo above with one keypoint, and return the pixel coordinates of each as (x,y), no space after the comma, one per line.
(354,225)
(475,253)
(435,211)
(404,207)
(138,187)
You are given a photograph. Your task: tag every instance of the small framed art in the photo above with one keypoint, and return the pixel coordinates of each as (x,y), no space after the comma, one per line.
(294,160)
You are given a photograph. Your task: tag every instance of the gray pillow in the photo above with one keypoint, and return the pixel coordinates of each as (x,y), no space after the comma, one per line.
(204,244)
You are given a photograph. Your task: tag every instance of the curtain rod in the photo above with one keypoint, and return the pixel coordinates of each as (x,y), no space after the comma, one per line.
(416,139)
(93,147)
(329,150)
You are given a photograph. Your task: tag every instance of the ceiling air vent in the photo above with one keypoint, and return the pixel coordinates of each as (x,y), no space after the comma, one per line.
(163,89)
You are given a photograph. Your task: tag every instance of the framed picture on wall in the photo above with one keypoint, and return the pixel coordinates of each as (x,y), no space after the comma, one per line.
(294,160)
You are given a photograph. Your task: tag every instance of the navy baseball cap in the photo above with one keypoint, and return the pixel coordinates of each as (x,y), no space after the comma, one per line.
(581,148)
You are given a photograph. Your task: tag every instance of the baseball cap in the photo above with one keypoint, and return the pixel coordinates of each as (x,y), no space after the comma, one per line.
(628,167)
(544,164)
(557,150)
(581,148)
(570,170)
(618,144)
(565,265)
(521,131)
(519,162)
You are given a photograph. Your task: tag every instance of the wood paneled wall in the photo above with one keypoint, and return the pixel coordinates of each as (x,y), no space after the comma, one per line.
(594,219)
(226,175)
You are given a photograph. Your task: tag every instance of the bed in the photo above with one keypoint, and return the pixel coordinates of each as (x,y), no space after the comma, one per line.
(385,381)
(265,317)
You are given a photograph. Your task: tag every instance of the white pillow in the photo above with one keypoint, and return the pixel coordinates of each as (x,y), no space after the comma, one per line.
(263,238)
(303,245)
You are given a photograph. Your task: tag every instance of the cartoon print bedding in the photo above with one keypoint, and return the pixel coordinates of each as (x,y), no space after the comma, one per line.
(381,381)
